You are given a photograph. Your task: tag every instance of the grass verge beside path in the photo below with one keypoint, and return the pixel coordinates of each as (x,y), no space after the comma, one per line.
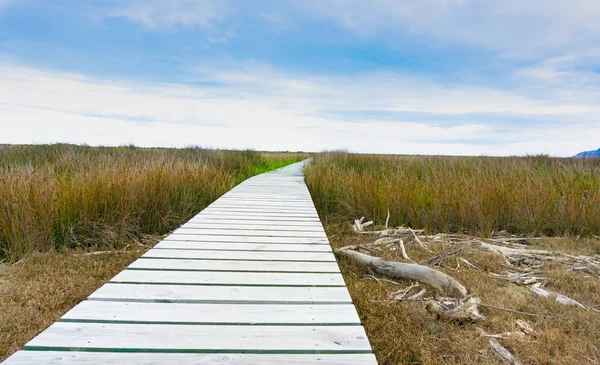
(37,291)
(480,196)
(405,333)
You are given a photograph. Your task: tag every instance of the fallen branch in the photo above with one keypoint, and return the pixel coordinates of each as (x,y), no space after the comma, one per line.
(563,299)
(500,351)
(419,242)
(465,309)
(435,260)
(436,279)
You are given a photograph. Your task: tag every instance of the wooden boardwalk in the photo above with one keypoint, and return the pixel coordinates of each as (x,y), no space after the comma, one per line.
(250,280)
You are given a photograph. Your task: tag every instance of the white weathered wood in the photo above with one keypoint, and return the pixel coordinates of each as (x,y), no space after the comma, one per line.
(254,227)
(233,265)
(221,293)
(107,358)
(227,278)
(242,255)
(263,207)
(208,313)
(248,233)
(254,218)
(232,238)
(252,199)
(227,201)
(257,224)
(280,207)
(242,246)
(267,197)
(258,211)
(208,337)
(251,215)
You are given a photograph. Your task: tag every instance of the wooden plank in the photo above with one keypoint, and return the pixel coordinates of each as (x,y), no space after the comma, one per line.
(255,215)
(338,339)
(225,294)
(272,202)
(210,313)
(225,222)
(256,227)
(277,211)
(267,199)
(229,246)
(275,189)
(227,278)
(107,358)
(283,208)
(268,202)
(248,233)
(231,238)
(242,255)
(233,265)
(254,218)
(248,196)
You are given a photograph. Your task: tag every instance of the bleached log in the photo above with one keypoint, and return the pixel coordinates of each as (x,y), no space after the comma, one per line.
(563,299)
(418,295)
(466,309)
(468,263)
(525,327)
(403,250)
(414,272)
(419,242)
(500,351)
(359,226)
(507,251)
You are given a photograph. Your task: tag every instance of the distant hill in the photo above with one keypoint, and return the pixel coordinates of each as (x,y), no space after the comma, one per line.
(587,154)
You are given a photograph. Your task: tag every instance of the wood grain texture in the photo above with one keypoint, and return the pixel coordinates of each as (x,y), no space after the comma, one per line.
(234,246)
(249,232)
(241,255)
(170,293)
(229,278)
(266,224)
(234,265)
(68,335)
(241,239)
(207,313)
(107,358)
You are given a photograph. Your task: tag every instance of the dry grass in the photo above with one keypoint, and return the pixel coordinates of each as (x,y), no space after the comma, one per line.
(480,195)
(65,196)
(38,290)
(532,196)
(405,333)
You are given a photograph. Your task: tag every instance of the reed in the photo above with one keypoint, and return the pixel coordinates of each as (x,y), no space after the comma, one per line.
(535,195)
(66,196)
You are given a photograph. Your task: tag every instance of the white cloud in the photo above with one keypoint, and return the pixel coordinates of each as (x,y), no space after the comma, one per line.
(514,27)
(265,108)
(167,13)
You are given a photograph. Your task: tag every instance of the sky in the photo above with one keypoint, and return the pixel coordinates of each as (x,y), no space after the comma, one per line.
(452,77)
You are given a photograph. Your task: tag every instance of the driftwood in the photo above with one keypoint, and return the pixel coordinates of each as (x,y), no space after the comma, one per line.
(500,351)
(465,309)
(563,299)
(436,279)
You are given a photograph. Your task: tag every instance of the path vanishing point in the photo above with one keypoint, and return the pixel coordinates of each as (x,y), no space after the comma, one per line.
(250,280)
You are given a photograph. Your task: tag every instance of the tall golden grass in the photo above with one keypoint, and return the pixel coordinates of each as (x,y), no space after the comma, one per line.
(64,196)
(525,195)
